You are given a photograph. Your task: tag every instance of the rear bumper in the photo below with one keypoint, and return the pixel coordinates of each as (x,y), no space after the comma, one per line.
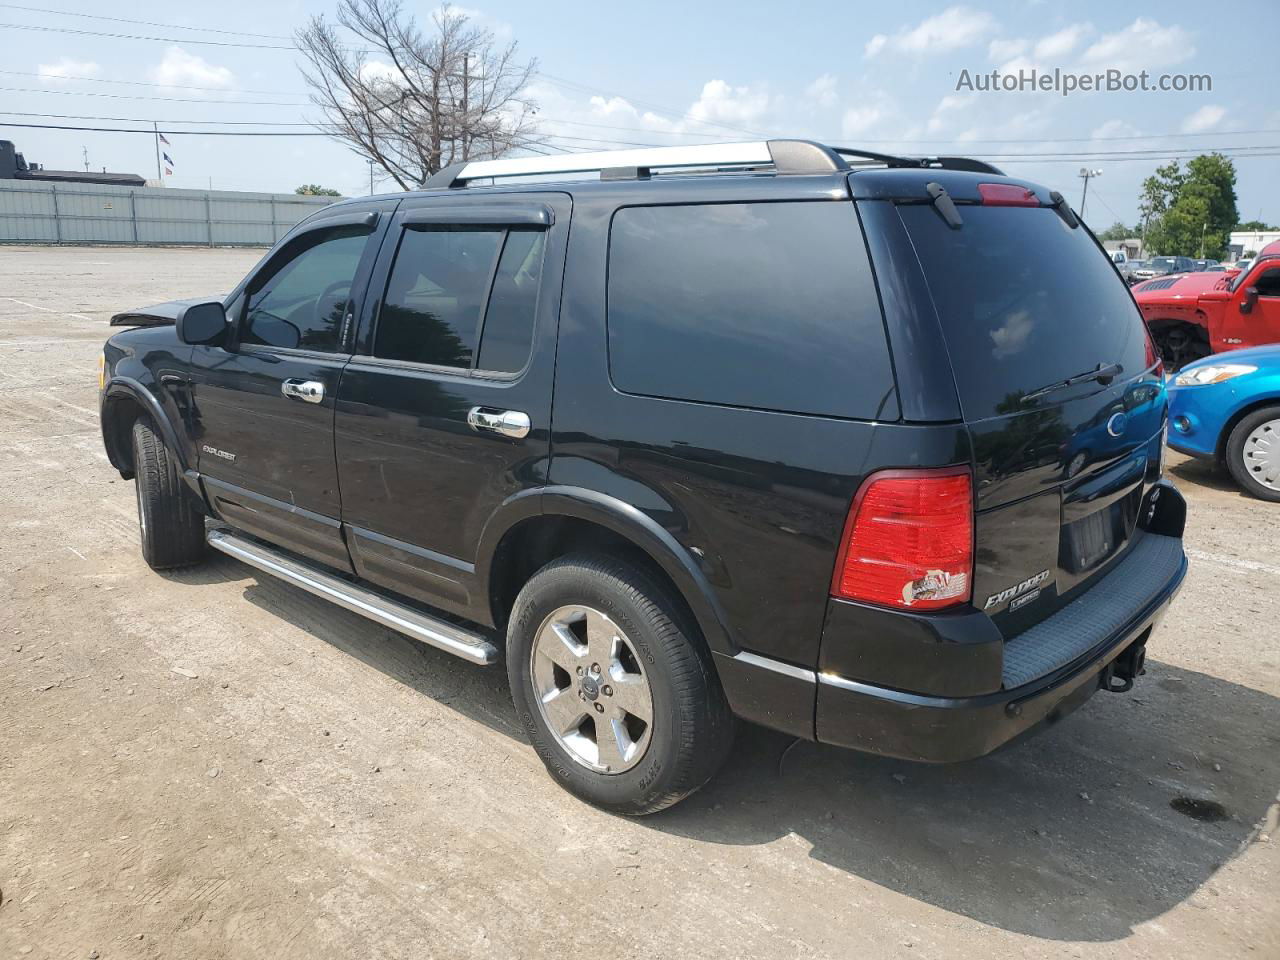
(943,730)
(836,709)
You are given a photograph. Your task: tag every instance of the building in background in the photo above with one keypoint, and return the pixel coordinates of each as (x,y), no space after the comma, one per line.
(1247,243)
(13,166)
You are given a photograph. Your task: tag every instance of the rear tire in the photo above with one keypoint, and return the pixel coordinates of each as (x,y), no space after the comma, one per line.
(592,640)
(171,524)
(1253,453)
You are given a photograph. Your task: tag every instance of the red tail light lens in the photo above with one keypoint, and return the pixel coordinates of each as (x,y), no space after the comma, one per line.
(908,541)
(1007,195)
(1153,357)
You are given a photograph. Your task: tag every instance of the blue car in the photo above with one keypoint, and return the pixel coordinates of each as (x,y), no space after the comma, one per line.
(1227,408)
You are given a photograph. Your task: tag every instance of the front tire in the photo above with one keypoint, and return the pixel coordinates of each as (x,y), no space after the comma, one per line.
(171,525)
(1253,453)
(614,687)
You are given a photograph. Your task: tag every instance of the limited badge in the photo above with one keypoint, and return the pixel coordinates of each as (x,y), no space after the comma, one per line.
(1016,591)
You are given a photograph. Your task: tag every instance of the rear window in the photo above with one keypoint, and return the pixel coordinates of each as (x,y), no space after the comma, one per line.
(1024,301)
(765,305)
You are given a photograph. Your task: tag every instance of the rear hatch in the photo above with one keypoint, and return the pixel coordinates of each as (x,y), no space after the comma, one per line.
(1054,373)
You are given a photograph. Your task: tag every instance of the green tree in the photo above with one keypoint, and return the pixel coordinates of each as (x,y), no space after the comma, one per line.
(1117,231)
(1191,210)
(315,190)
(1254,225)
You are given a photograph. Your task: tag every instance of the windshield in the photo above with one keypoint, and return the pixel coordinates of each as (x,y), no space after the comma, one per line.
(1024,301)
(1164,263)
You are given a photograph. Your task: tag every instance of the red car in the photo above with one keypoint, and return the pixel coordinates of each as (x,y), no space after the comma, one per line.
(1192,315)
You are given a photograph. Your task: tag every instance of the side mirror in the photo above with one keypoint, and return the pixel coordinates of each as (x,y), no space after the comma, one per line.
(203,324)
(1250,298)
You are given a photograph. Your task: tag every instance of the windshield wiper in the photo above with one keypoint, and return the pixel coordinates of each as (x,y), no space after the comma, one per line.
(1103,373)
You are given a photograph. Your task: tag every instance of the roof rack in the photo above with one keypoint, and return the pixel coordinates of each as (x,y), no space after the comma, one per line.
(777,156)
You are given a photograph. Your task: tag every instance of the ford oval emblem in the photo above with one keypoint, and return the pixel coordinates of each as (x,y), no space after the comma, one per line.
(1117,424)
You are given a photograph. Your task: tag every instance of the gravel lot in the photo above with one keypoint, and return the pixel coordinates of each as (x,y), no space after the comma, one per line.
(212,764)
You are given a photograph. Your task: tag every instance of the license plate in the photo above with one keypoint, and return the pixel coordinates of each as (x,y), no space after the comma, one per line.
(1090,539)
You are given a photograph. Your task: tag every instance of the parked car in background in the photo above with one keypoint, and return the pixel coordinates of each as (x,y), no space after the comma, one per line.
(1135,271)
(1163,266)
(1198,314)
(1202,264)
(1243,264)
(1227,408)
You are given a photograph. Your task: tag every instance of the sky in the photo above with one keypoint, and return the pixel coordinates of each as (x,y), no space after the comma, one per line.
(894,77)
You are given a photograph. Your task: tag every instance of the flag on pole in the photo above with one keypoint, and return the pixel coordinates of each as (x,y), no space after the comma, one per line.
(167,159)
(163,140)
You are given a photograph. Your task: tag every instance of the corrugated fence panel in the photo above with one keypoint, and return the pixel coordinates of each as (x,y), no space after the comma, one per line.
(33,211)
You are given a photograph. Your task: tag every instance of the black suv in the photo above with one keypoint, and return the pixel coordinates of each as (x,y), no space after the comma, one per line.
(862,448)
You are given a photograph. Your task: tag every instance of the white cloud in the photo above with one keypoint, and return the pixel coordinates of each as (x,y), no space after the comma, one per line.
(1115,129)
(858,120)
(950,104)
(951,29)
(67,67)
(822,91)
(1063,42)
(1142,45)
(179,68)
(1206,118)
(739,106)
(1000,49)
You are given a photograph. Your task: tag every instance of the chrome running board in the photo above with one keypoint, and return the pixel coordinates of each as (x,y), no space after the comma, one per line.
(446,636)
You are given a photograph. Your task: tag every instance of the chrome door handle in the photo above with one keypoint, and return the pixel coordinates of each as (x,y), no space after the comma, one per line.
(509,423)
(311,391)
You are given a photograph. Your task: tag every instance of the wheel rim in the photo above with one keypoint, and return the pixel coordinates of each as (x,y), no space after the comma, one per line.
(1261,454)
(591,690)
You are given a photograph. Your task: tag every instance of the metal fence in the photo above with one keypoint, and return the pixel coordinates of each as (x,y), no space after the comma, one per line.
(33,211)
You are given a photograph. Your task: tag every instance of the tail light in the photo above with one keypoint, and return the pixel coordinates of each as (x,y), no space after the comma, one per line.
(1007,195)
(908,541)
(1153,357)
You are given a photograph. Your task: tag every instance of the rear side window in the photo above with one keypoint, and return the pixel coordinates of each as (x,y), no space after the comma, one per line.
(435,295)
(462,298)
(766,305)
(1025,301)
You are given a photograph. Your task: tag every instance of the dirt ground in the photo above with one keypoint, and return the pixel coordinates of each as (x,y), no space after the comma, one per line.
(212,764)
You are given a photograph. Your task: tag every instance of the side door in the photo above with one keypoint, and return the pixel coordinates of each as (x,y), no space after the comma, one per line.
(1261,324)
(444,412)
(262,406)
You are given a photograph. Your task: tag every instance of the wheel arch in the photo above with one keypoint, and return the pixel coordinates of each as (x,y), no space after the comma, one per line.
(123,401)
(567,519)
(1255,404)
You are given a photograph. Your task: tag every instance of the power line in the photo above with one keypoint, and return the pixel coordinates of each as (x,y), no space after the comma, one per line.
(133,36)
(202,133)
(144,23)
(212,123)
(140,83)
(137,96)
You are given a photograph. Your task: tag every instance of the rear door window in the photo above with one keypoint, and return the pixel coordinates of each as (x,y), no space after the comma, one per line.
(765,305)
(1025,301)
(462,298)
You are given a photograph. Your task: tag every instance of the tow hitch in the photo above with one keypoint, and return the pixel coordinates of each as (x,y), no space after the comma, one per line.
(1119,674)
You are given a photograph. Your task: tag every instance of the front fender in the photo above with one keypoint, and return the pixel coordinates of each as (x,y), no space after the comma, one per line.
(120,398)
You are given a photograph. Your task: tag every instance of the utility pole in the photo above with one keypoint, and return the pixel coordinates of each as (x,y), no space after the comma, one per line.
(1086,174)
(159,169)
(466,120)
(85,150)
(370,162)
(1202,229)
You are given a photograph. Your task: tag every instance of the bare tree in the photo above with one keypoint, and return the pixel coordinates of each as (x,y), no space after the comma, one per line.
(413,102)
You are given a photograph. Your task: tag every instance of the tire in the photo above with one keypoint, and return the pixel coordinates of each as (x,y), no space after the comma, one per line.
(169,519)
(690,728)
(1253,453)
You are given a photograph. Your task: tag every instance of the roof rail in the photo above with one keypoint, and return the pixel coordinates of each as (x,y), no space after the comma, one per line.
(785,157)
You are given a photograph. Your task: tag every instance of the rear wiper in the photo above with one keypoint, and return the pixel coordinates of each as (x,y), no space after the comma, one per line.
(1103,373)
